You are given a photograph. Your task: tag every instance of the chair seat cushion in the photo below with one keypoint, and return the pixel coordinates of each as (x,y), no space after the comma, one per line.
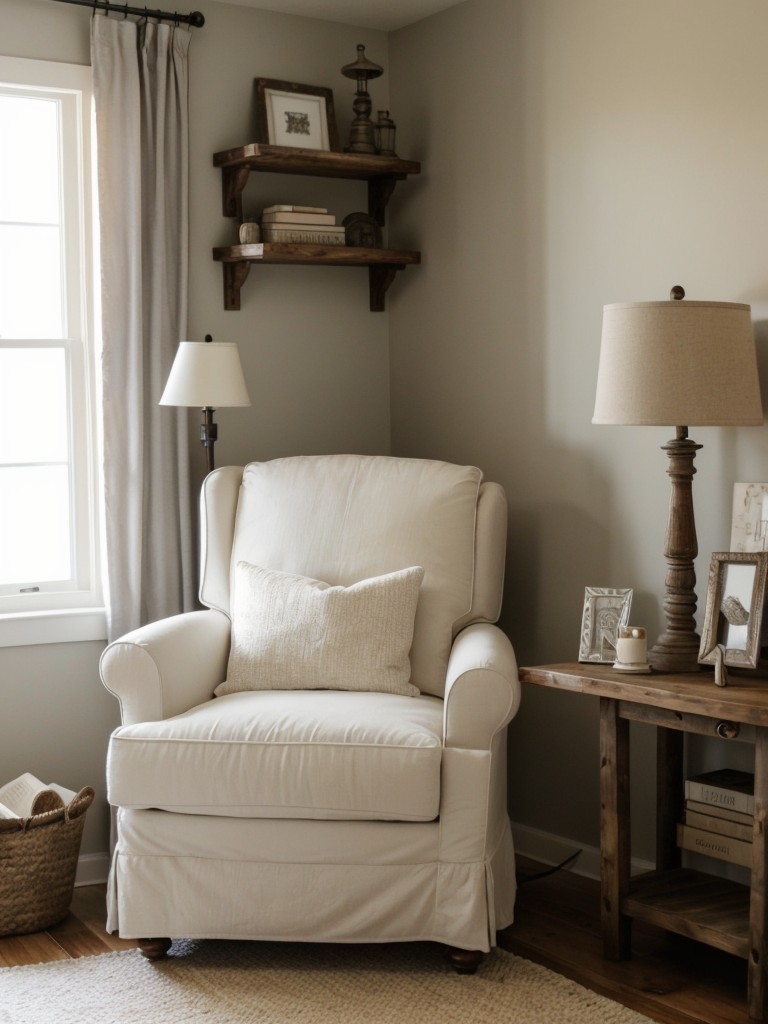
(286,754)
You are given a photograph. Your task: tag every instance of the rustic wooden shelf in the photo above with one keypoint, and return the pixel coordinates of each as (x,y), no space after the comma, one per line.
(694,904)
(383,264)
(381,172)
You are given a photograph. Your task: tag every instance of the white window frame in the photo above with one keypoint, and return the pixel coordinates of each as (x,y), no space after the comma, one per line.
(73,613)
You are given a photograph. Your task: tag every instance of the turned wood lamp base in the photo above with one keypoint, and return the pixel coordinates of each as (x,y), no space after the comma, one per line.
(677,649)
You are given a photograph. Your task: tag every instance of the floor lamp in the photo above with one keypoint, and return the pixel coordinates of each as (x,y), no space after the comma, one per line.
(207,374)
(666,364)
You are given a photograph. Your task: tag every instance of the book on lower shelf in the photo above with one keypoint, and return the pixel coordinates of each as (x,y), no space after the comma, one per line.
(291,208)
(719,825)
(314,234)
(713,844)
(296,217)
(726,788)
(713,811)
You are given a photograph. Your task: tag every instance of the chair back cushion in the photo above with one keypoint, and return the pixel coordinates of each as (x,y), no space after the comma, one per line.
(346,518)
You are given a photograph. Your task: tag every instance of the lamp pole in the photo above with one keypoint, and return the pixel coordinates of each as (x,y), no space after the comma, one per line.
(209,432)
(677,649)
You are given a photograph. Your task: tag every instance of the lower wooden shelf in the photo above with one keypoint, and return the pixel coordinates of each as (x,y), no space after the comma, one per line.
(382,264)
(692,903)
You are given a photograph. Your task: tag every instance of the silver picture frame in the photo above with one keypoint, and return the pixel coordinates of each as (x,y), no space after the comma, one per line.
(605,609)
(735,607)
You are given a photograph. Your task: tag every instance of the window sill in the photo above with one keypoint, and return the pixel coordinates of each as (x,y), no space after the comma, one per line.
(71,625)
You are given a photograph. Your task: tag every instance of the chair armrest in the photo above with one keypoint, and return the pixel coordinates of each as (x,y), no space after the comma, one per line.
(167,667)
(482,691)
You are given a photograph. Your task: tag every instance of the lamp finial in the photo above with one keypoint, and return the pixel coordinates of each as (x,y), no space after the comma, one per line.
(677,292)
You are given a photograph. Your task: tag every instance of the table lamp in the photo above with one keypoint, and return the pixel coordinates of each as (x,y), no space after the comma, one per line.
(666,364)
(207,374)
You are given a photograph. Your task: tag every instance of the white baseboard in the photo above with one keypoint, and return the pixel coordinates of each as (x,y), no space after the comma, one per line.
(92,868)
(552,849)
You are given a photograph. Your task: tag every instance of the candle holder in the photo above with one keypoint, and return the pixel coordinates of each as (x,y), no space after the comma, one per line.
(632,650)
(361,138)
(384,134)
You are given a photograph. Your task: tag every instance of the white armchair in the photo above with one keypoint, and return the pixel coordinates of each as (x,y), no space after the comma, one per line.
(368,808)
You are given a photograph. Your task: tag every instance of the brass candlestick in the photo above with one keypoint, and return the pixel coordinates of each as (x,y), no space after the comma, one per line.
(361,129)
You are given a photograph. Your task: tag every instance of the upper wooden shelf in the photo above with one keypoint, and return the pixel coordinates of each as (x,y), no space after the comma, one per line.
(381,172)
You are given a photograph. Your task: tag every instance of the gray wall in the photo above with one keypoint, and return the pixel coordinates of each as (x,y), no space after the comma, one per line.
(575,154)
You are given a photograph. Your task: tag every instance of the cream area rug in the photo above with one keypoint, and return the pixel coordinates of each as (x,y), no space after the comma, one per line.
(216,982)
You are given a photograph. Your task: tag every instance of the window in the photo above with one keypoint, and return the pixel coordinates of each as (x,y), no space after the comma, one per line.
(48,510)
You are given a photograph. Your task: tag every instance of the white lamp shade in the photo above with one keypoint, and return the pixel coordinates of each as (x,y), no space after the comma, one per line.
(678,363)
(206,374)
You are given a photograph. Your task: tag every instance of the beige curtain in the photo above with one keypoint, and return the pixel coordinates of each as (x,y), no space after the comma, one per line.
(140,86)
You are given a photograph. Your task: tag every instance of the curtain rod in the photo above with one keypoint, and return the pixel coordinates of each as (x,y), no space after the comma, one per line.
(195,19)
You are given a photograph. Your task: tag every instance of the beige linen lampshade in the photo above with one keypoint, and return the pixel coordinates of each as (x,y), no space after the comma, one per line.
(207,374)
(678,362)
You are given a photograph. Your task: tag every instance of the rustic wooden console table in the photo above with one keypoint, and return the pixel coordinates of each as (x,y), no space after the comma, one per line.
(713,910)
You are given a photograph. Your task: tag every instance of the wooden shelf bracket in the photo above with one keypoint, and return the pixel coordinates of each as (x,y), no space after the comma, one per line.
(379,280)
(235,275)
(233,181)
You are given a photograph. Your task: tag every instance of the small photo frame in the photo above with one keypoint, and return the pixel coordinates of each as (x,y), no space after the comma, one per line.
(749,520)
(735,605)
(288,114)
(604,611)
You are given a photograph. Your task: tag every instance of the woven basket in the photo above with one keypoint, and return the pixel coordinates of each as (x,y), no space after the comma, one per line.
(38,861)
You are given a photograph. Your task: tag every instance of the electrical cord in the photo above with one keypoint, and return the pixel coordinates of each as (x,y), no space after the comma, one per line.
(524,879)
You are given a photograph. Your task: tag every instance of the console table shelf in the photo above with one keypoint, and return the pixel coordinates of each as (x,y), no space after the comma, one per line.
(707,908)
(694,904)
(382,264)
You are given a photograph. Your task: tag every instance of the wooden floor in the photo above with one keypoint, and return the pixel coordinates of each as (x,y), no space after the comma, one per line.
(671,980)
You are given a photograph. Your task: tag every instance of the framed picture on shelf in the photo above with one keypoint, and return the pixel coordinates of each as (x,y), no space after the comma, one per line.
(749,521)
(288,114)
(604,611)
(735,605)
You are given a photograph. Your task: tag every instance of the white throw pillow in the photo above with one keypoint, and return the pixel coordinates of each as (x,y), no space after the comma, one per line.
(294,633)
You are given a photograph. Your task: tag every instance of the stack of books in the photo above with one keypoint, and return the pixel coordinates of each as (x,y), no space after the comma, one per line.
(294,224)
(719,815)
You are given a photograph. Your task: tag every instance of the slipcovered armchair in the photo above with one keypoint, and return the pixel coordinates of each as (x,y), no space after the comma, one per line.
(321,754)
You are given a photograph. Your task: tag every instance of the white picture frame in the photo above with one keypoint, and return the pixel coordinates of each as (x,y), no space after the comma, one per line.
(749,519)
(605,609)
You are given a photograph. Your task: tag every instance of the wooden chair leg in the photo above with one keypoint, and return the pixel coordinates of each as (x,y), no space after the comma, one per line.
(154,949)
(465,961)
